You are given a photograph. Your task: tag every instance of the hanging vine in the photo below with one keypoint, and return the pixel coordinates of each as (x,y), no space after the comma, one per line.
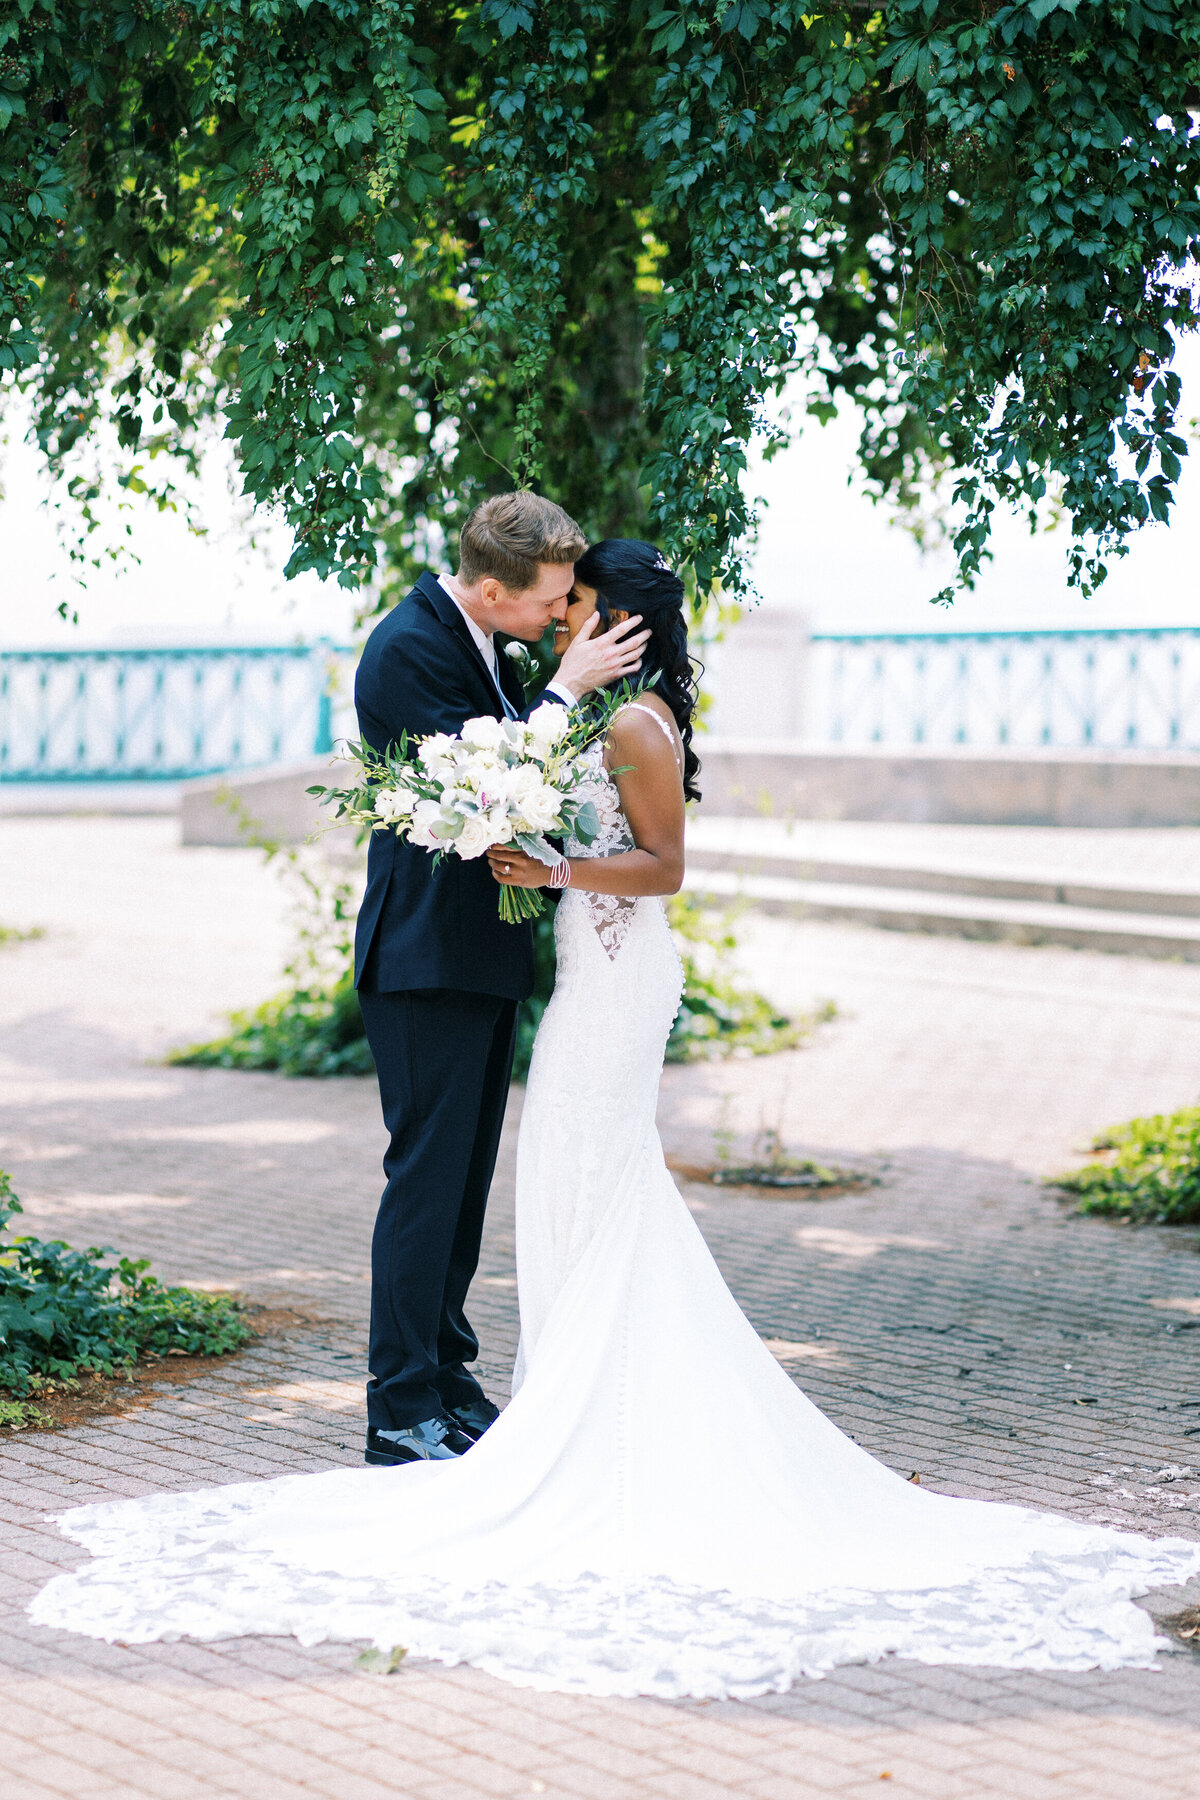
(410,254)
(749,141)
(529,161)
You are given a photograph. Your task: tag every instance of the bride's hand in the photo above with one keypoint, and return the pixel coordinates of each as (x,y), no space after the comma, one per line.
(512,868)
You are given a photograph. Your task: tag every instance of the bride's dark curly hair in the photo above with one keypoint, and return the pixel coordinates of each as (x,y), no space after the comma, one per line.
(631,576)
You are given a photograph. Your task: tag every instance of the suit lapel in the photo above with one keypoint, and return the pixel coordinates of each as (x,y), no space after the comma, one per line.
(430,589)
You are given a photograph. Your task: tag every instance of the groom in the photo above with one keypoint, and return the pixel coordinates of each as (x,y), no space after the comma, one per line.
(439,975)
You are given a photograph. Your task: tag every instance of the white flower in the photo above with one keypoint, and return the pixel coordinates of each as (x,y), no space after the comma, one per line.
(483,734)
(457,798)
(425,815)
(436,754)
(541,807)
(474,838)
(392,804)
(527,778)
(438,747)
(516,651)
(500,824)
(547,727)
(502,784)
(480,769)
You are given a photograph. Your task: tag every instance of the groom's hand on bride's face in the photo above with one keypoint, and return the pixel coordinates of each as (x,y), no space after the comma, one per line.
(591,661)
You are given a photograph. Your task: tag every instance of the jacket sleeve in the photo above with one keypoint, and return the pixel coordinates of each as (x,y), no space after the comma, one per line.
(550,696)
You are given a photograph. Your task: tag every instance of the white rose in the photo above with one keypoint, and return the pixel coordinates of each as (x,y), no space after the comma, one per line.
(483,734)
(474,838)
(540,808)
(526,778)
(547,727)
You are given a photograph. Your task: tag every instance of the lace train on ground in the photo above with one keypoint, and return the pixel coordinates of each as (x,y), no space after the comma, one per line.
(176,1570)
(659,1510)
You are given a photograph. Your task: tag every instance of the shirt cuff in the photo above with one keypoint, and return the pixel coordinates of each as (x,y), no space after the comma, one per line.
(561,693)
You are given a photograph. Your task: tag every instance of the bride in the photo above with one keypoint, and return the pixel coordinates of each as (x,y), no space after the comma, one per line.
(659,1510)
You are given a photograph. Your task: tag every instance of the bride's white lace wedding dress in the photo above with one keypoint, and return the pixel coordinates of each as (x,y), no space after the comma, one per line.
(659,1510)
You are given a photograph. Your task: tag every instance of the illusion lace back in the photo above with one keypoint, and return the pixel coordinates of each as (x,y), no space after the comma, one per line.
(659,1510)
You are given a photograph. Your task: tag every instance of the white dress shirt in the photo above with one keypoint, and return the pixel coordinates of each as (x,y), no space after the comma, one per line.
(486,645)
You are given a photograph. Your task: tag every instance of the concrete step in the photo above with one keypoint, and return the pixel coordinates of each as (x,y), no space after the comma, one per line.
(998,885)
(1163,935)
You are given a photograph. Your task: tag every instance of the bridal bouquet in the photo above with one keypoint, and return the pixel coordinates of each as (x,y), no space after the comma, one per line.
(497,781)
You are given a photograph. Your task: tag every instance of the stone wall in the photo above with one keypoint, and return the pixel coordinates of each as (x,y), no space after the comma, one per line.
(273,798)
(748,776)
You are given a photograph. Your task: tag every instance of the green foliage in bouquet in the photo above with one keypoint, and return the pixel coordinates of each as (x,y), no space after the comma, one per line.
(65,1313)
(12,934)
(450,793)
(1149,1172)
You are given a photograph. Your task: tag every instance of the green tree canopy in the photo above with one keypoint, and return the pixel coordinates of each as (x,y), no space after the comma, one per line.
(413,253)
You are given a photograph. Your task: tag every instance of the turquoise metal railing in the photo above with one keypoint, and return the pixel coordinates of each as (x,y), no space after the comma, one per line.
(150,715)
(1090,689)
(137,715)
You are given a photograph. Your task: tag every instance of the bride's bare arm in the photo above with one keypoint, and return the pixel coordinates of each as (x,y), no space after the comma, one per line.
(652,799)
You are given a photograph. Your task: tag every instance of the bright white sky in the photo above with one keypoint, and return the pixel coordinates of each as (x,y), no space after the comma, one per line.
(823,547)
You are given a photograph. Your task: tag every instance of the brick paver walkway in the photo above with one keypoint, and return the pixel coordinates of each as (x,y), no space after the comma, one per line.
(953,1318)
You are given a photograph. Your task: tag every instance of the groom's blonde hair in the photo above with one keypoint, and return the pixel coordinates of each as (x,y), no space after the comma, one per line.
(507,536)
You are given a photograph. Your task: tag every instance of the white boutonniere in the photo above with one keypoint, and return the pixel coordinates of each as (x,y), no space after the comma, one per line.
(518,654)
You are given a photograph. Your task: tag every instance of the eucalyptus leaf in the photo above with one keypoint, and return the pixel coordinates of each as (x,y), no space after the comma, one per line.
(586,824)
(538,848)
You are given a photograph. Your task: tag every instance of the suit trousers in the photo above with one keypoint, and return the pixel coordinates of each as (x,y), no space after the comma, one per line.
(444,1061)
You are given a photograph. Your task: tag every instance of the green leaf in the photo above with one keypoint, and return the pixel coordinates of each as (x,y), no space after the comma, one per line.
(586,824)
(381,1662)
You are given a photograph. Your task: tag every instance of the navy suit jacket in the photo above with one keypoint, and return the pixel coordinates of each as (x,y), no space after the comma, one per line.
(422,672)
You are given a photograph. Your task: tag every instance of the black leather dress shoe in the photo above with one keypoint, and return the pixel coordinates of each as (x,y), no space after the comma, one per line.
(433,1440)
(473,1420)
